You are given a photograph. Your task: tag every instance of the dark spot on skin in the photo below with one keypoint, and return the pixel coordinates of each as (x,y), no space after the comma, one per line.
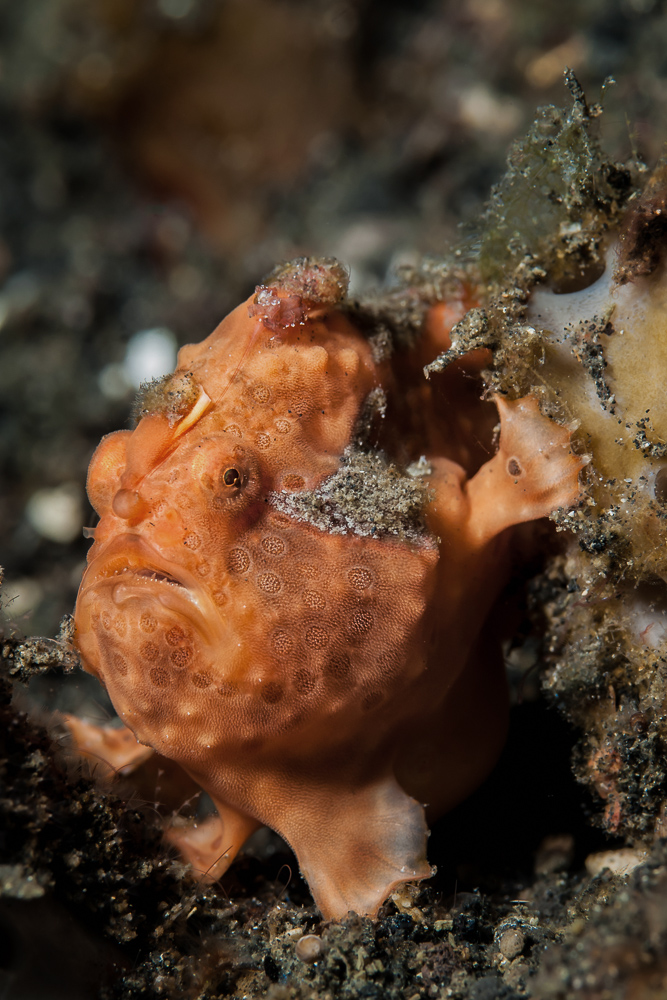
(317,637)
(313,600)
(280,519)
(261,393)
(282,642)
(273,546)
(513,467)
(293,482)
(180,657)
(201,680)
(360,578)
(159,676)
(238,561)
(119,665)
(227,689)
(304,682)
(175,635)
(361,622)
(338,668)
(272,693)
(269,583)
(149,651)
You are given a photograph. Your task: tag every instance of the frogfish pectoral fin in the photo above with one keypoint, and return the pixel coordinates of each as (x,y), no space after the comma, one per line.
(210,845)
(533,472)
(109,750)
(359,845)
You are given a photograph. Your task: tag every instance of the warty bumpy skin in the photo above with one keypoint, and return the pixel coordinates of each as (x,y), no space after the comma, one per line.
(296,616)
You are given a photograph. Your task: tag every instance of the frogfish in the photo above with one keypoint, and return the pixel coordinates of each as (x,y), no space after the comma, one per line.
(298,548)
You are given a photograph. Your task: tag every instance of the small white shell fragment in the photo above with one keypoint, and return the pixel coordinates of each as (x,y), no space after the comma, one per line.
(309,948)
(511,943)
(619,862)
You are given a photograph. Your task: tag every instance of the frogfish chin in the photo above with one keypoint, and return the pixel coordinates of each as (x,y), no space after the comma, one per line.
(298,549)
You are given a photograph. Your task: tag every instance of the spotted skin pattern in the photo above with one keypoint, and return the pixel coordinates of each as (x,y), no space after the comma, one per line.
(324,683)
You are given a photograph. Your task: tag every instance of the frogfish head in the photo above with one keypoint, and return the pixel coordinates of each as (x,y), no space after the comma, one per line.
(202,602)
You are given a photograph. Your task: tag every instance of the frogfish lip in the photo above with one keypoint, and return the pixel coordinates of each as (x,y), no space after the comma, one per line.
(129,568)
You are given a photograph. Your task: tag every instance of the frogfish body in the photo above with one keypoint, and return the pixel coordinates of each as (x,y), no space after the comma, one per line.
(298,547)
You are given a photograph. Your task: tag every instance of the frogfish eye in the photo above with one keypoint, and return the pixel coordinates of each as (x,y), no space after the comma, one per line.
(232,481)
(231,477)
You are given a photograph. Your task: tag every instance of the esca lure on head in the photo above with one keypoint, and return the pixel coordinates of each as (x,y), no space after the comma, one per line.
(294,614)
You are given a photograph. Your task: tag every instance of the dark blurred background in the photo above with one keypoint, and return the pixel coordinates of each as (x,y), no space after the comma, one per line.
(157,157)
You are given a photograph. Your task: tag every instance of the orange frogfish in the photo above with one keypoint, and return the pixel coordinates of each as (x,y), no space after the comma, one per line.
(298,547)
